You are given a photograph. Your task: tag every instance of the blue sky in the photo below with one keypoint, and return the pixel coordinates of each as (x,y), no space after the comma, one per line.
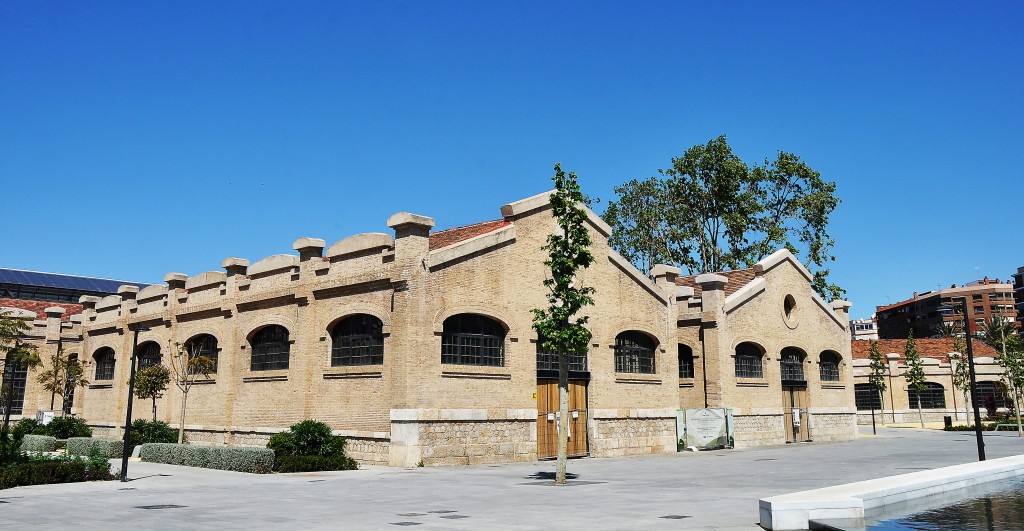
(138,138)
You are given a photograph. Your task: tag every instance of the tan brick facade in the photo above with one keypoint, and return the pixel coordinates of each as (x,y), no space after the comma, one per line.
(415,409)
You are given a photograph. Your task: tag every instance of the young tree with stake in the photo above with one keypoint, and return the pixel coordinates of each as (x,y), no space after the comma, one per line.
(151,383)
(876,379)
(187,366)
(915,372)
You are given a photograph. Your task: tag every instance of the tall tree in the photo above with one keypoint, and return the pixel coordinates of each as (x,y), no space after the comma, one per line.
(560,329)
(710,211)
(915,371)
(1001,334)
(962,373)
(64,374)
(187,366)
(15,354)
(151,383)
(876,378)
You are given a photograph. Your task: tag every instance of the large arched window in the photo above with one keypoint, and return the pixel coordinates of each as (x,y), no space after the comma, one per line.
(104,358)
(357,340)
(933,396)
(685,361)
(992,394)
(73,365)
(866,396)
(749,359)
(634,353)
(548,361)
(14,379)
(149,354)
(203,345)
(828,366)
(792,364)
(470,339)
(270,348)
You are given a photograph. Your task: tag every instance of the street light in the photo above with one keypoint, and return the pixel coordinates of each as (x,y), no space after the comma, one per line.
(131,394)
(974,380)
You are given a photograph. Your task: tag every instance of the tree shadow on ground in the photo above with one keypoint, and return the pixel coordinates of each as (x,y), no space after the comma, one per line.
(551,475)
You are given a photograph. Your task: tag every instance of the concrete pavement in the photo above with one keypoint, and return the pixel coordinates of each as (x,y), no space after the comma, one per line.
(706,490)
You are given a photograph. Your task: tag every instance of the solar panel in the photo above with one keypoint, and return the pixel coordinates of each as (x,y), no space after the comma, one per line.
(71,282)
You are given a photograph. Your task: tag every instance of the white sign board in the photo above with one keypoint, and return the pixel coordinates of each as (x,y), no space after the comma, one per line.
(709,428)
(44,417)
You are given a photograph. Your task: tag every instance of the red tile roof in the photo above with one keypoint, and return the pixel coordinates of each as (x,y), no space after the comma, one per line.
(927,348)
(737,279)
(39,306)
(447,237)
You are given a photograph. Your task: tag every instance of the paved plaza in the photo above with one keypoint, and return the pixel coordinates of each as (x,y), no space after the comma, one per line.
(706,490)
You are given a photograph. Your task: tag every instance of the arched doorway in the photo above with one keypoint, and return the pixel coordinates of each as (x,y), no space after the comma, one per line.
(794,394)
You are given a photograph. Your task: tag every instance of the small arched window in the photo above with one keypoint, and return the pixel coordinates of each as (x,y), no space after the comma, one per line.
(685,361)
(357,340)
(73,365)
(470,339)
(104,358)
(270,348)
(933,396)
(149,354)
(828,366)
(634,353)
(203,345)
(749,361)
(792,364)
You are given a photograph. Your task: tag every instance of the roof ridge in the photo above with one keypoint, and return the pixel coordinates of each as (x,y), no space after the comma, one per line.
(72,276)
(470,225)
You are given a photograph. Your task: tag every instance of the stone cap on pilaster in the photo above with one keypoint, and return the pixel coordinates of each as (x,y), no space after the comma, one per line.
(405,219)
(665,270)
(711,282)
(892,356)
(54,312)
(88,302)
(841,305)
(684,292)
(76,319)
(234,265)
(309,248)
(127,292)
(175,280)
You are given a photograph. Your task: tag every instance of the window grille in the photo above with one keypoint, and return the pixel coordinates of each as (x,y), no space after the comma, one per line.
(791,365)
(865,396)
(270,349)
(469,339)
(685,361)
(749,361)
(204,345)
(634,353)
(149,355)
(548,361)
(69,400)
(829,367)
(933,396)
(994,390)
(357,340)
(15,376)
(104,363)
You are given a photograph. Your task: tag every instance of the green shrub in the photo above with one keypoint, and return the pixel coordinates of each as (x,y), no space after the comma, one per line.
(152,431)
(88,446)
(45,470)
(970,427)
(309,439)
(68,427)
(253,460)
(38,443)
(314,463)
(27,426)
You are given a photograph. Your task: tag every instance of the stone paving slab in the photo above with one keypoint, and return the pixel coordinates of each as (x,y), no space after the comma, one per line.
(706,490)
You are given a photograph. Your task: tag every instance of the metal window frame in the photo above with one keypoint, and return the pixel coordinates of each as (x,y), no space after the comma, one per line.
(270,353)
(209,346)
(15,379)
(105,366)
(632,355)
(933,396)
(864,395)
(354,344)
(471,339)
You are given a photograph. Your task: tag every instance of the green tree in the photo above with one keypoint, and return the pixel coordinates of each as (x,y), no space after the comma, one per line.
(958,363)
(710,211)
(1001,334)
(15,353)
(559,327)
(876,378)
(915,371)
(187,366)
(65,373)
(151,383)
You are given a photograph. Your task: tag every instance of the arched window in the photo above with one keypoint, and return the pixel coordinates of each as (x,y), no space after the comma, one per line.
(548,361)
(73,365)
(634,353)
(203,345)
(470,339)
(828,366)
(270,348)
(992,394)
(685,361)
(749,361)
(933,396)
(14,378)
(792,364)
(357,340)
(104,363)
(149,355)
(865,396)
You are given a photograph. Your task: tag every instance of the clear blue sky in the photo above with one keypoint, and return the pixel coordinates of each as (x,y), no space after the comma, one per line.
(138,138)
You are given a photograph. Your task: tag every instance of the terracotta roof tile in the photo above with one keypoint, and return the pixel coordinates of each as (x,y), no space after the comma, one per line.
(447,237)
(737,279)
(928,348)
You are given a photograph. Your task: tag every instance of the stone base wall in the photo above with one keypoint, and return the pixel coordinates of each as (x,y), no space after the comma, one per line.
(833,426)
(911,416)
(614,437)
(759,430)
(368,451)
(477,442)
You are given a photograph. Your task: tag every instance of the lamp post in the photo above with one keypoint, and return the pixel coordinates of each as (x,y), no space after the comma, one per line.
(974,380)
(131,393)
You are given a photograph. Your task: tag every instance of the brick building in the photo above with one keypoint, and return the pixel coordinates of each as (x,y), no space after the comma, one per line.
(1018,297)
(926,313)
(418,347)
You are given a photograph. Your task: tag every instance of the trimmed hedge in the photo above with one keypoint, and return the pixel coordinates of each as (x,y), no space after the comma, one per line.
(107,448)
(253,460)
(46,470)
(38,443)
(315,463)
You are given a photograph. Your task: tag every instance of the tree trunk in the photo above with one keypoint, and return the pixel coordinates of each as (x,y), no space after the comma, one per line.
(563,413)
(181,427)
(1016,410)
(154,409)
(919,412)
(881,402)
(967,411)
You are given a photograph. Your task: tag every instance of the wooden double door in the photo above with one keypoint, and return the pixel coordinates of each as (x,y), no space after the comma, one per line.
(548,415)
(794,407)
